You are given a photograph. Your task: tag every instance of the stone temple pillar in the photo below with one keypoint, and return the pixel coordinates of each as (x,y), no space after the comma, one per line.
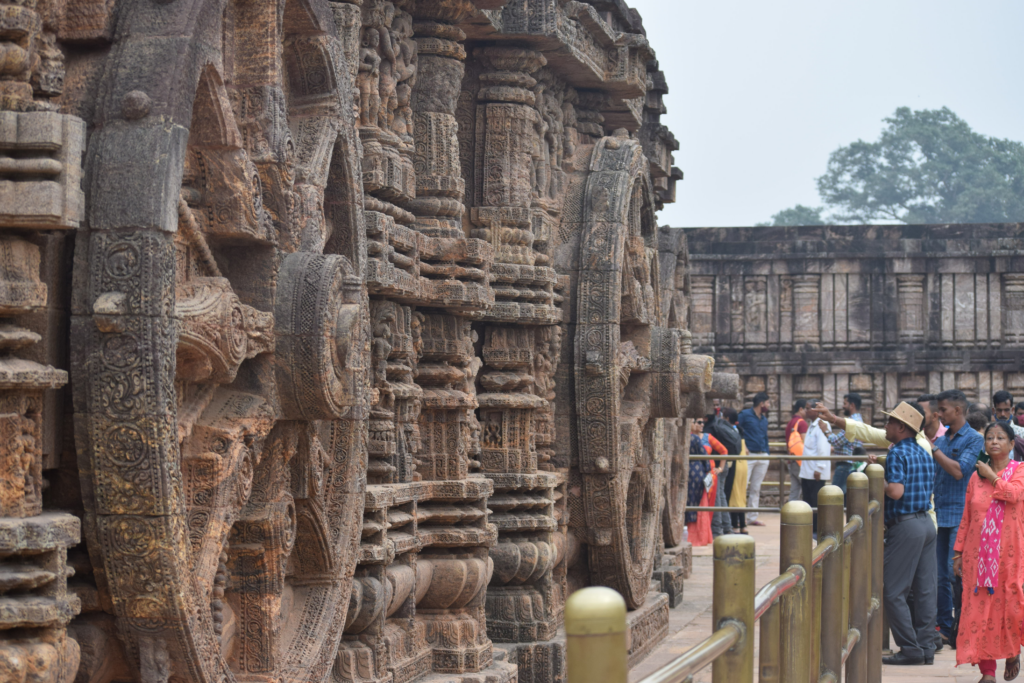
(439,184)
(911,308)
(1013,309)
(41,202)
(806,328)
(521,353)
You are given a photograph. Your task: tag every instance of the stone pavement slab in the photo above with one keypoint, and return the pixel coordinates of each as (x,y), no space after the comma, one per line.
(690,622)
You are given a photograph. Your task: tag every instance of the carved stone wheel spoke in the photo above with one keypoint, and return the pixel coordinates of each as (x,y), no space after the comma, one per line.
(222,373)
(623,359)
(676,447)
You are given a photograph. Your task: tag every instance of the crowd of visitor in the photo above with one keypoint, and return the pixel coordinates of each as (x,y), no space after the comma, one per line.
(954,508)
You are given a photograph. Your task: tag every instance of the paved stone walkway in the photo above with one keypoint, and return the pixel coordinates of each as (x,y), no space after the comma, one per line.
(690,623)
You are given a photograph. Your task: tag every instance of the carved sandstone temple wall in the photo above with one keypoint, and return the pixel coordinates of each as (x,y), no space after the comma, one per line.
(339,340)
(890,312)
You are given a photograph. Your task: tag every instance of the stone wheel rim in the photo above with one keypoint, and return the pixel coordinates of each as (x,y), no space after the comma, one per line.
(145,523)
(617,455)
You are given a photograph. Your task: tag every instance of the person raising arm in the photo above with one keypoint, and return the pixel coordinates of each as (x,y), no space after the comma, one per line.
(865,433)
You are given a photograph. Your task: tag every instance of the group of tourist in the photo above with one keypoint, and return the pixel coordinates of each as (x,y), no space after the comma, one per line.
(727,432)
(954,509)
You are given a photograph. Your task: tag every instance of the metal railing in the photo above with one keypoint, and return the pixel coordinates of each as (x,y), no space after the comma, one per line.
(823,611)
(783,483)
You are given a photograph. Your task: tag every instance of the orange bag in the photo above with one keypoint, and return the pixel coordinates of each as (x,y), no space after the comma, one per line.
(796,441)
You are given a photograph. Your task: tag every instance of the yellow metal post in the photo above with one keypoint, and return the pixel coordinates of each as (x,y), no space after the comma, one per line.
(595,629)
(734,602)
(860,577)
(833,628)
(795,611)
(815,664)
(876,491)
(769,647)
(847,553)
(885,619)
(783,481)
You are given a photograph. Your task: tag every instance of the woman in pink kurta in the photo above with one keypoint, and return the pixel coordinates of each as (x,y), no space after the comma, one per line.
(988,555)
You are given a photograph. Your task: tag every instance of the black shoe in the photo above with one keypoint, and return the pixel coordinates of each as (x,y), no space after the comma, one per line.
(929,659)
(901,659)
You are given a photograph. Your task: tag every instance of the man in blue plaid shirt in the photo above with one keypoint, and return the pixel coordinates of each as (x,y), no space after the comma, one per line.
(910,559)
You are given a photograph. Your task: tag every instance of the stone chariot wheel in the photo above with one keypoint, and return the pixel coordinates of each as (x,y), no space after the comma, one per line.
(626,371)
(222,343)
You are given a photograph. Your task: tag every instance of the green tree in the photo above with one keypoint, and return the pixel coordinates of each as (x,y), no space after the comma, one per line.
(928,166)
(797,215)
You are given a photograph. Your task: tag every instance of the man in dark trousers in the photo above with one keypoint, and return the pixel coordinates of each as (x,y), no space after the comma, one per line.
(910,558)
(955,453)
(814,474)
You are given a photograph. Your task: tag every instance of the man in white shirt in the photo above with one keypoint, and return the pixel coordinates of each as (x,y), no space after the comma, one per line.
(814,474)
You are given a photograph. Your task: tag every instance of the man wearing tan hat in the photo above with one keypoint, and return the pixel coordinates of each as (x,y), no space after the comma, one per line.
(910,539)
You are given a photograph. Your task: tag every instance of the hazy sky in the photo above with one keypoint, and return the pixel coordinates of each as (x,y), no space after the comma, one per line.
(760,92)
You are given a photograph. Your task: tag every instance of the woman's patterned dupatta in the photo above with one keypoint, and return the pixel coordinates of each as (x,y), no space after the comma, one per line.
(992,536)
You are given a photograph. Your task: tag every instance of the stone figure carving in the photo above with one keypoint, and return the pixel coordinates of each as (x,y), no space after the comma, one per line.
(406,55)
(388,46)
(369,78)
(331,323)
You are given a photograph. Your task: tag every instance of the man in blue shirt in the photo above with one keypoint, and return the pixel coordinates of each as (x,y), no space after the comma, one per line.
(754,428)
(910,559)
(955,453)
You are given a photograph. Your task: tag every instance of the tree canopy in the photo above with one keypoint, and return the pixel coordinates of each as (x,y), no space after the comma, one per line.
(798,215)
(927,166)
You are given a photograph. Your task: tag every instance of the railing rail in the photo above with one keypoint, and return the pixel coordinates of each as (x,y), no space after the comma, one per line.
(772,590)
(783,483)
(699,656)
(821,613)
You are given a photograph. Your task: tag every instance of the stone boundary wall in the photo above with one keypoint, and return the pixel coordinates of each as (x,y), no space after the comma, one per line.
(887,311)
